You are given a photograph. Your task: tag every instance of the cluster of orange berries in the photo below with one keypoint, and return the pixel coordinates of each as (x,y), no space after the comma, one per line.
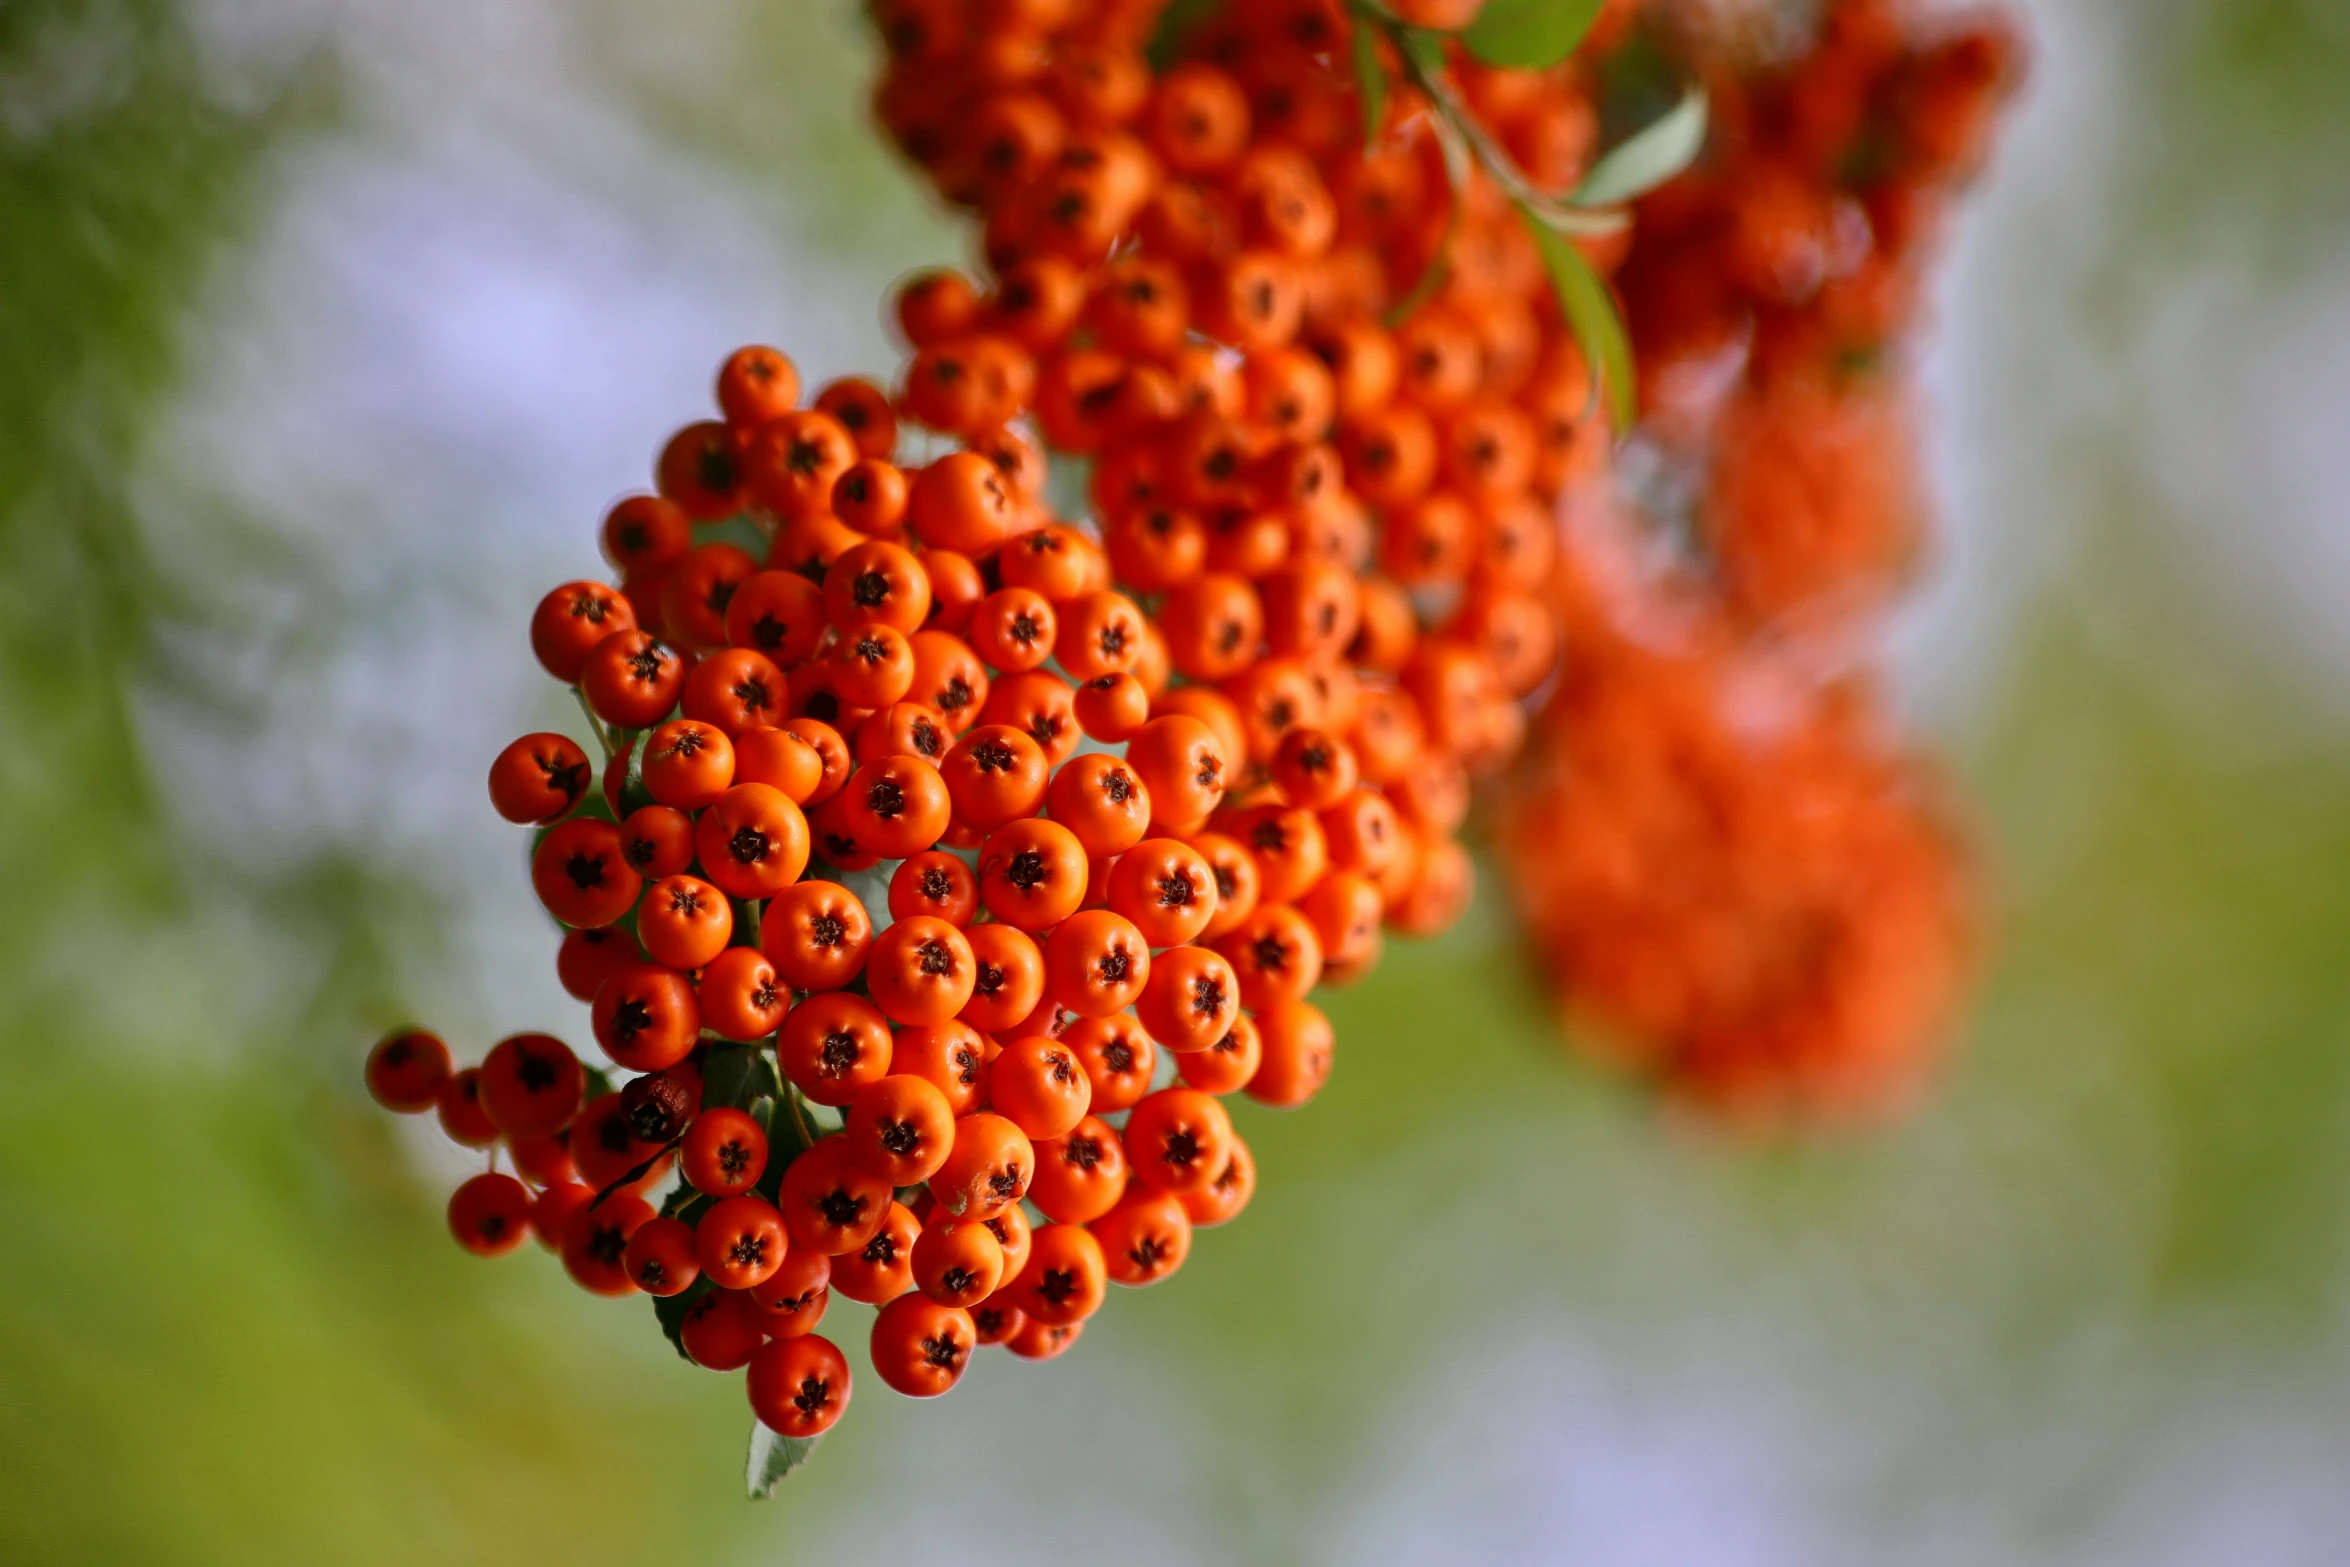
(951,858)
(951,854)
(1770,291)
(907,814)
(1743,888)
(1742,885)
(1200,267)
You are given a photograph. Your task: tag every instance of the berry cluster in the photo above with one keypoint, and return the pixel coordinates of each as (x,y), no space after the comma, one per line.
(1398,400)
(932,882)
(1742,888)
(1739,882)
(1770,291)
(965,822)
(950,856)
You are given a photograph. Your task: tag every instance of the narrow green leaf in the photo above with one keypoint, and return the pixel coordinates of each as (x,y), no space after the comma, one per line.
(1456,177)
(787,1137)
(669,1311)
(1591,310)
(771,1458)
(1649,157)
(1370,79)
(1529,34)
(1176,22)
(633,793)
(1423,48)
(640,1171)
(735,1075)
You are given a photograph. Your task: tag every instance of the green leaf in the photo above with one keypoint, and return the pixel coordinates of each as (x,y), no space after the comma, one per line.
(640,1171)
(1457,161)
(1591,310)
(771,1458)
(634,795)
(735,1075)
(669,1311)
(786,1138)
(1176,24)
(1649,157)
(1423,48)
(1529,34)
(1370,79)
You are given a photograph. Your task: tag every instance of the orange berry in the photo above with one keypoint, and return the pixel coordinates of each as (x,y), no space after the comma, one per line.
(756,385)
(1276,954)
(960,503)
(994,775)
(1014,629)
(1185,768)
(1227,1065)
(1109,708)
(920,1347)
(920,971)
(1191,1000)
(1144,1238)
(1037,1085)
(1009,977)
(684,922)
(739,1241)
(1032,874)
(1040,703)
(798,1386)
(1065,1278)
(1079,1175)
(1103,801)
(816,933)
(881,1269)
(1298,1043)
(986,1171)
(950,1056)
(957,1262)
(828,1204)
(791,463)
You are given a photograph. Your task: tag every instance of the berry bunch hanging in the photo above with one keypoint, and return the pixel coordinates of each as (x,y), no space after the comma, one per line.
(932,888)
(946,858)
(1774,289)
(1741,883)
(983,772)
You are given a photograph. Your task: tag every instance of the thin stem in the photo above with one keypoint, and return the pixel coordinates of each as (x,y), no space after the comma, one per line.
(1561,216)
(595,724)
(1456,171)
(799,1111)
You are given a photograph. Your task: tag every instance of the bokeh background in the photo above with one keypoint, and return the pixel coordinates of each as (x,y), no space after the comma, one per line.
(327,330)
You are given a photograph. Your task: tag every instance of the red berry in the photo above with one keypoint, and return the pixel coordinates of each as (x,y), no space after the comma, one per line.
(406,1069)
(798,1386)
(462,1115)
(660,1257)
(725,1152)
(740,1241)
(551,1211)
(921,1347)
(595,1243)
(490,1214)
(721,1331)
(572,620)
(540,778)
(531,1085)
